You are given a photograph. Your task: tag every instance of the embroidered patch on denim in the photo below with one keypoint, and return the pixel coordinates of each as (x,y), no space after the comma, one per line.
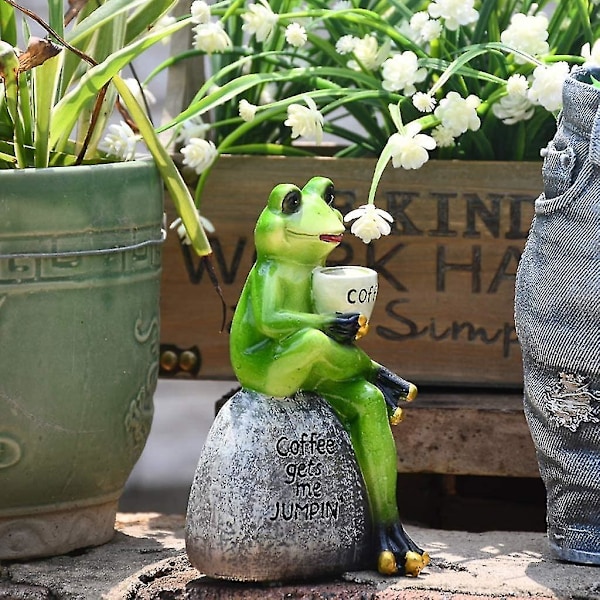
(571,402)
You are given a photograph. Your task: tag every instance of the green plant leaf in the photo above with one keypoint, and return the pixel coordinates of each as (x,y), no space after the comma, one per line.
(44,80)
(8,24)
(178,191)
(69,107)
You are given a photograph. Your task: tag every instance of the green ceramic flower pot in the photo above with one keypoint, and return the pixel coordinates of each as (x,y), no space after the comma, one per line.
(80,255)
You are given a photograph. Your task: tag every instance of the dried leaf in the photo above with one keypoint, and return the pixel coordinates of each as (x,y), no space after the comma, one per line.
(38,52)
(75,7)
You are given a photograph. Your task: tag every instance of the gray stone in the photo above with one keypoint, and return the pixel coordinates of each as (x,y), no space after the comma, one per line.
(277,493)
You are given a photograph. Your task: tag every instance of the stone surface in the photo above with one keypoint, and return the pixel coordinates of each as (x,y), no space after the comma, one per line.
(277,493)
(146,561)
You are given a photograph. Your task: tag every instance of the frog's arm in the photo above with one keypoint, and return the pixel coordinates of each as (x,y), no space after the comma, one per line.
(275,314)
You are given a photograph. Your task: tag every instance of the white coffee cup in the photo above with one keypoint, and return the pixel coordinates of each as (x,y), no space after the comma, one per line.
(344,289)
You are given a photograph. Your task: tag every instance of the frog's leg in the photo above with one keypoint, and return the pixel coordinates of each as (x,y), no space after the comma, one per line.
(302,360)
(361,407)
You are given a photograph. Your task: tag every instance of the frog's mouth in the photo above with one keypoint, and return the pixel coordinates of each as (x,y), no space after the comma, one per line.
(332,238)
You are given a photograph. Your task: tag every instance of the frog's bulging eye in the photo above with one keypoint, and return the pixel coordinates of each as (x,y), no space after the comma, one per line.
(291,203)
(329,196)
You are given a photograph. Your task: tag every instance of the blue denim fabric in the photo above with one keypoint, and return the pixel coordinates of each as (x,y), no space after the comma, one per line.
(557,315)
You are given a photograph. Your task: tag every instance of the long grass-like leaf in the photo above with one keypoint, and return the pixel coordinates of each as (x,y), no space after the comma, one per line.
(44,80)
(66,111)
(149,12)
(104,14)
(177,188)
(9,67)
(8,24)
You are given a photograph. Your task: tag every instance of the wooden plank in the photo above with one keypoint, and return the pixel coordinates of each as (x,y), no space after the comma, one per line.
(444,314)
(466,434)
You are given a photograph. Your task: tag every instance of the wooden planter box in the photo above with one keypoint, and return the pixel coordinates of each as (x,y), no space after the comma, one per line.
(444,315)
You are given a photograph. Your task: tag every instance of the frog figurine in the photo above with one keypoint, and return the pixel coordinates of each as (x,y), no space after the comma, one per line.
(280,346)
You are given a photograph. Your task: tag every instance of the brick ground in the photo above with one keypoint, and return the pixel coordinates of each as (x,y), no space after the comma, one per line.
(146,561)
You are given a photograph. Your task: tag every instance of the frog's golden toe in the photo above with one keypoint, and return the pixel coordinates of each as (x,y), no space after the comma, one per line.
(414,563)
(397,416)
(412,392)
(386,563)
(363,328)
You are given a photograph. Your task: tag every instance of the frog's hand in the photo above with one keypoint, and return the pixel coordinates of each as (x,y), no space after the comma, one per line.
(397,553)
(394,389)
(343,327)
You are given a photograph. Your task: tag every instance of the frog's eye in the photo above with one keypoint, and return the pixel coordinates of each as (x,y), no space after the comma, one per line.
(291,203)
(329,195)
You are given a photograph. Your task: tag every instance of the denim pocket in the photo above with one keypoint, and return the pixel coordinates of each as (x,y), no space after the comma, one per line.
(557,169)
(586,183)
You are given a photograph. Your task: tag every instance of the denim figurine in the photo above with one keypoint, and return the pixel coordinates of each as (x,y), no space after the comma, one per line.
(557,314)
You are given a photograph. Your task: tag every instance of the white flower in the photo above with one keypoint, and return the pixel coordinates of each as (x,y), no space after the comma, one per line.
(345,45)
(592,55)
(163,23)
(341,5)
(423,102)
(512,109)
(409,147)
(459,114)
(268,94)
(211,37)
(515,106)
(200,12)
(401,72)
(517,85)
(527,33)
(199,154)
(547,83)
(371,222)
(194,127)
(424,29)
(295,35)
(432,30)
(259,20)
(305,121)
(120,141)
(143,95)
(247,110)
(454,12)
(418,21)
(443,137)
(368,53)
(182,233)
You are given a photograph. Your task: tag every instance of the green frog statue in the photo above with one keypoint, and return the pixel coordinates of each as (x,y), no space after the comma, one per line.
(280,345)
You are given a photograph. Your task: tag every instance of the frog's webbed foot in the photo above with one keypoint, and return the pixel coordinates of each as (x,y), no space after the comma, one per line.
(394,389)
(344,327)
(397,553)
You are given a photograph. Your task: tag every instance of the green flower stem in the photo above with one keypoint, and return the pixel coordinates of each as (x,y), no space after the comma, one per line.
(382,161)
(579,60)
(233,89)
(266,113)
(469,54)
(426,122)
